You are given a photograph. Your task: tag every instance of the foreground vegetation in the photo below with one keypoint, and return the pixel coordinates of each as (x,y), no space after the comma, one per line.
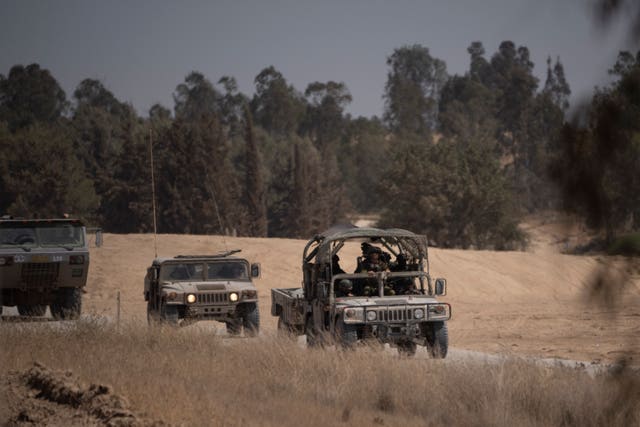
(192,377)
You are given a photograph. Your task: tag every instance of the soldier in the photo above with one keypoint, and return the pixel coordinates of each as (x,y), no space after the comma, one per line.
(344,289)
(372,264)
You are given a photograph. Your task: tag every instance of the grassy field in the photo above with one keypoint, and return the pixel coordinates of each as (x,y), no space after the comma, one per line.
(192,377)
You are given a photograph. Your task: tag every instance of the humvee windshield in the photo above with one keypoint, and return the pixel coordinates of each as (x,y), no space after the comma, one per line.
(194,271)
(41,235)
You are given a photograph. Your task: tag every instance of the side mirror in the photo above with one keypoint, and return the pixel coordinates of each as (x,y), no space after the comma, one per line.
(98,237)
(441,286)
(152,274)
(255,270)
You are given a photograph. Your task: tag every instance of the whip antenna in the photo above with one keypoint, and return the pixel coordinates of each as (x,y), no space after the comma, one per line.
(215,205)
(153,195)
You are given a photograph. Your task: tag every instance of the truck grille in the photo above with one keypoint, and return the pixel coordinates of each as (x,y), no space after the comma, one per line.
(40,273)
(213,298)
(394,314)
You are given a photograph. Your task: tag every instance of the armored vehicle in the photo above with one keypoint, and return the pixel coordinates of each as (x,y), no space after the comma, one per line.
(188,288)
(390,298)
(43,262)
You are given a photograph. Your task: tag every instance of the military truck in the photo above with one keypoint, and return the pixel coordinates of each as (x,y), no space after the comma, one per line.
(43,262)
(388,301)
(188,288)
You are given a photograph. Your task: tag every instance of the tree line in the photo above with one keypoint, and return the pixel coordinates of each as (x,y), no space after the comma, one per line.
(460,157)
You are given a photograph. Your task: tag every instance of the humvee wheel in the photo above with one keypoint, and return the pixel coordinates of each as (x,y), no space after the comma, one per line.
(233,328)
(346,335)
(32,310)
(251,320)
(313,340)
(407,348)
(437,340)
(68,304)
(169,314)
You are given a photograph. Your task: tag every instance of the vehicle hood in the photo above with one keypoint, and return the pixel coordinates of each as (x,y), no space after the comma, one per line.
(388,300)
(209,286)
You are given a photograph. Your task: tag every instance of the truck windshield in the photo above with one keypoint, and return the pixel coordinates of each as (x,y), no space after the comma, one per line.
(42,235)
(182,271)
(227,270)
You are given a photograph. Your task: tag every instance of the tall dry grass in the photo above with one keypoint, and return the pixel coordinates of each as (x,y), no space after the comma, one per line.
(192,377)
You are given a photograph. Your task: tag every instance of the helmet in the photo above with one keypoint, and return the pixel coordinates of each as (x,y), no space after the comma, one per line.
(345,285)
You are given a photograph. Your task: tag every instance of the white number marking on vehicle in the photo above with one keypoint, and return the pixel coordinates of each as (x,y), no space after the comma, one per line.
(18,258)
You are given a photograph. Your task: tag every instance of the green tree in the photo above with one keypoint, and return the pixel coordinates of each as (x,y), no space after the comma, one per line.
(255,190)
(412,90)
(43,177)
(196,98)
(30,95)
(276,106)
(598,162)
(325,121)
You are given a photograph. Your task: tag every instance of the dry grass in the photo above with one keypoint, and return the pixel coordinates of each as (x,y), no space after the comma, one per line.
(192,377)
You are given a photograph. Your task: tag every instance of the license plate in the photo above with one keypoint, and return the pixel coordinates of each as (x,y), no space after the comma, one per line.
(40,258)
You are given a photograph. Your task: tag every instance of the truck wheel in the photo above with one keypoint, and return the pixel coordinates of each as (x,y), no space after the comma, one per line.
(285,330)
(152,315)
(32,310)
(169,314)
(68,304)
(313,340)
(437,340)
(346,335)
(251,320)
(233,328)
(407,348)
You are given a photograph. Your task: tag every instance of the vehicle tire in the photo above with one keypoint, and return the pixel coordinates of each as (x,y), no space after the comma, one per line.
(152,315)
(284,330)
(32,310)
(407,348)
(313,340)
(251,320)
(437,340)
(169,314)
(346,335)
(233,328)
(68,304)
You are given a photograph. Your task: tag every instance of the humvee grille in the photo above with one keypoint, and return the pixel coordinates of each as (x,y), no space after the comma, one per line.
(40,273)
(213,298)
(393,314)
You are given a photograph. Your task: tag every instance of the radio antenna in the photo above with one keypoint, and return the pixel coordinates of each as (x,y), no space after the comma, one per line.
(215,205)
(153,195)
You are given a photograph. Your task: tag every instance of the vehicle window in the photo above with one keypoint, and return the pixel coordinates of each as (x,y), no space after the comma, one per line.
(227,270)
(60,235)
(181,272)
(17,236)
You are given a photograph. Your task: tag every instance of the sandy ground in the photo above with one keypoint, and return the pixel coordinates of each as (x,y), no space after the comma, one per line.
(530,303)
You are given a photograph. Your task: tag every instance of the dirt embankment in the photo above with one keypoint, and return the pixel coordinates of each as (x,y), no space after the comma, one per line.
(40,396)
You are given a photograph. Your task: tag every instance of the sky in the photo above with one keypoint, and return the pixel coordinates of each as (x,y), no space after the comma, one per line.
(141,50)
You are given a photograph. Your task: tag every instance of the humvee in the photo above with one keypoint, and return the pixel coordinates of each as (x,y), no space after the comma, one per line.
(188,288)
(394,305)
(43,262)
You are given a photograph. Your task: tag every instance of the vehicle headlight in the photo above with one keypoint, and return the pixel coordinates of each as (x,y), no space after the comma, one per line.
(371,316)
(353,314)
(171,296)
(191,298)
(437,310)
(233,297)
(418,313)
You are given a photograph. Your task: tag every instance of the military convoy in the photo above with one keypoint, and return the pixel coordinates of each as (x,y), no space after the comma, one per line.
(43,262)
(188,288)
(385,301)
(389,299)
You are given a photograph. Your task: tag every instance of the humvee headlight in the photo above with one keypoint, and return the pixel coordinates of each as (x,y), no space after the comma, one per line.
(191,298)
(371,316)
(418,313)
(171,296)
(353,314)
(233,297)
(249,293)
